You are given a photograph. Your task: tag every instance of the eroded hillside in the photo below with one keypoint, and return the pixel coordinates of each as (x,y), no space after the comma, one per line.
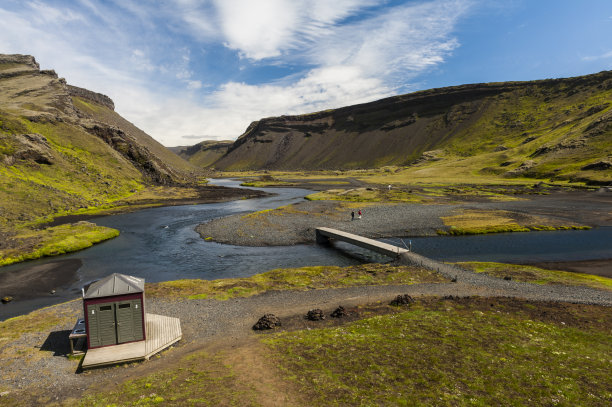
(205,153)
(64,148)
(558,128)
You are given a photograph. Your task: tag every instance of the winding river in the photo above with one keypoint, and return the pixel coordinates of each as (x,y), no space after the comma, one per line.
(161,244)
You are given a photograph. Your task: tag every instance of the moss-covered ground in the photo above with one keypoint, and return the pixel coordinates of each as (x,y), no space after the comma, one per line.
(303,278)
(33,244)
(537,275)
(443,352)
(472,222)
(450,354)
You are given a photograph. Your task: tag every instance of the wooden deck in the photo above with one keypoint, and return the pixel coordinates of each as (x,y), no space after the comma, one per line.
(323,234)
(161,331)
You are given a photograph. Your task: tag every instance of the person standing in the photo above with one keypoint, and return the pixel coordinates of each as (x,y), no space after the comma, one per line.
(359,213)
(352,215)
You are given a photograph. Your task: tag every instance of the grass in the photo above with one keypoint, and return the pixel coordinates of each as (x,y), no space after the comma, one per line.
(532,274)
(452,356)
(471,222)
(303,278)
(203,379)
(55,240)
(367,195)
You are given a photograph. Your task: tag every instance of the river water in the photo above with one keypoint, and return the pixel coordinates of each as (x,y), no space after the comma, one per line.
(161,244)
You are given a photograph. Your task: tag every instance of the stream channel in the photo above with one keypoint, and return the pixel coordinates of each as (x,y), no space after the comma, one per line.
(160,244)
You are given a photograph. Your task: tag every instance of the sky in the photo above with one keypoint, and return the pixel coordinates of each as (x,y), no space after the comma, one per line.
(191,70)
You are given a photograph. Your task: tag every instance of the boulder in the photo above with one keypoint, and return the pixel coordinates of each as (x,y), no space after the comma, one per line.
(315,315)
(268,321)
(339,312)
(404,299)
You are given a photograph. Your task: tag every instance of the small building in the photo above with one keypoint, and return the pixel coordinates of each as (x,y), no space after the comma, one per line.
(114,311)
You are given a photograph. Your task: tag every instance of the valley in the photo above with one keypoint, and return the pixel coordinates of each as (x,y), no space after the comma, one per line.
(521,171)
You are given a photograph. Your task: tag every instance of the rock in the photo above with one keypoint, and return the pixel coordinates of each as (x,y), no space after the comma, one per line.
(528,140)
(315,315)
(500,148)
(7,299)
(339,312)
(507,278)
(598,166)
(268,321)
(404,299)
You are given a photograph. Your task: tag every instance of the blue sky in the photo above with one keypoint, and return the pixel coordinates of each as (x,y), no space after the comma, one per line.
(189,70)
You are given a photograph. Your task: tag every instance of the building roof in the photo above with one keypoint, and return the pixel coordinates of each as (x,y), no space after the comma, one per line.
(115,284)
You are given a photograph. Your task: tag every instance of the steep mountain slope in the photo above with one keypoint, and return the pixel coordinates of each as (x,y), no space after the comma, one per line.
(205,153)
(560,128)
(63,148)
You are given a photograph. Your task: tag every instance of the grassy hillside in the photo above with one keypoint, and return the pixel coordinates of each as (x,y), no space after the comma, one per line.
(63,154)
(205,153)
(557,129)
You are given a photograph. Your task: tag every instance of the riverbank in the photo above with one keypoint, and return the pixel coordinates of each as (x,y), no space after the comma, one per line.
(602,267)
(72,232)
(38,280)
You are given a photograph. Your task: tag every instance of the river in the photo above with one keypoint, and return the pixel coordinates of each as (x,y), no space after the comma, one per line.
(160,244)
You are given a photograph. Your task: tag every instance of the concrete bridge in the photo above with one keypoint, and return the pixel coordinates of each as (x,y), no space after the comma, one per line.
(324,234)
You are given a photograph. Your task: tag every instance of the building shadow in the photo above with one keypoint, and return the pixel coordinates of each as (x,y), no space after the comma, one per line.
(58,343)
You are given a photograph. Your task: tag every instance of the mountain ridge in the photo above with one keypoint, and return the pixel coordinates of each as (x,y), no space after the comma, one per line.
(538,128)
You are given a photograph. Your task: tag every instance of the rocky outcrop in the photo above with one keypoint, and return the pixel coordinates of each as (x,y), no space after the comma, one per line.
(91,96)
(598,166)
(151,167)
(30,147)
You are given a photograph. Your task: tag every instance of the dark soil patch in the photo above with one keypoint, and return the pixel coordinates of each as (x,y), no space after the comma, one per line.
(601,267)
(580,316)
(39,280)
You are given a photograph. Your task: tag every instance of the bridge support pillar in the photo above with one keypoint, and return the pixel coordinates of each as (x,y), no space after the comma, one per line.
(321,239)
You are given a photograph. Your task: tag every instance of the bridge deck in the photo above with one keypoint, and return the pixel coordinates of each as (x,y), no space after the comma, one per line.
(371,244)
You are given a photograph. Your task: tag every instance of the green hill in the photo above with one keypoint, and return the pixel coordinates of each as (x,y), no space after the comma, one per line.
(64,150)
(554,128)
(205,153)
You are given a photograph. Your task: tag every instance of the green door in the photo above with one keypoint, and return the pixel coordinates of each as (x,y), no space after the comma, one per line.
(106,324)
(129,321)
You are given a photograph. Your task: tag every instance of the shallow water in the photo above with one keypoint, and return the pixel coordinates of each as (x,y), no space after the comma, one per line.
(161,244)
(530,247)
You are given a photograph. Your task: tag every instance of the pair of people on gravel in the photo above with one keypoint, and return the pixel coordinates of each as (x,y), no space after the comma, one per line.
(353,214)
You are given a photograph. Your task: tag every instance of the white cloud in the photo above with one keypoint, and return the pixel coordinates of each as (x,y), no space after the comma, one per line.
(605,55)
(270,28)
(194,85)
(129,54)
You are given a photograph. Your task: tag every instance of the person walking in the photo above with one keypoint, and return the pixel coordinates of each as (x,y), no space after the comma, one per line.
(352,215)
(359,213)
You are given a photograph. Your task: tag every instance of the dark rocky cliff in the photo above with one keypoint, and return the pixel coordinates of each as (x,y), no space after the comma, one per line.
(462,120)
